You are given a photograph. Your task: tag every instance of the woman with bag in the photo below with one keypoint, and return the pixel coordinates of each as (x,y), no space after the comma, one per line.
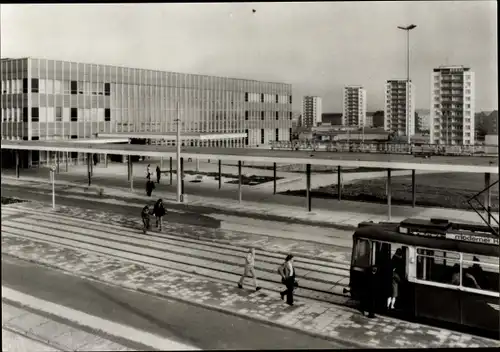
(159,211)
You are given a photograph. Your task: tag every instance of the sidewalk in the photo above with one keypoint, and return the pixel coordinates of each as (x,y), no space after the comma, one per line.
(316,318)
(23,330)
(326,212)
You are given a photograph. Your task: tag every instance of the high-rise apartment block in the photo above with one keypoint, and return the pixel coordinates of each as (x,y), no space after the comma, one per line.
(354,106)
(311,111)
(51,99)
(398,117)
(452,106)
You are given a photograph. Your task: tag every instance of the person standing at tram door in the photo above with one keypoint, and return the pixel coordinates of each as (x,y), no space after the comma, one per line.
(395,289)
(370,293)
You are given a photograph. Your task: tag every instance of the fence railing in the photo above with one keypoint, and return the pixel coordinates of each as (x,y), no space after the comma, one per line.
(387,148)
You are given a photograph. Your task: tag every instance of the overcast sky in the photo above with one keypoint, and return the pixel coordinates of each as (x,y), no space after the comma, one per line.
(317,47)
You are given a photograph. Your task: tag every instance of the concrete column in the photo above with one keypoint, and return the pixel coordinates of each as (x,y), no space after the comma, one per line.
(89,172)
(91,157)
(67,156)
(413,189)
(487,200)
(339,182)
(161,163)
(182,177)
(17,163)
(239,181)
(220,174)
(57,162)
(170,170)
(308,181)
(131,166)
(389,193)
(128,168)
(106,160)
(274,178)
(197,165)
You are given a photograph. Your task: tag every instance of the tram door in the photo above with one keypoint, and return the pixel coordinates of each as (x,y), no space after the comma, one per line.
(382,259)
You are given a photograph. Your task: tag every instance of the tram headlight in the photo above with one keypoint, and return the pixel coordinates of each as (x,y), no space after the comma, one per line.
(403,230)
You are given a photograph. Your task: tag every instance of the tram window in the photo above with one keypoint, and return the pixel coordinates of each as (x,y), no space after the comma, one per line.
(362,253)
(483,271)
(438,266)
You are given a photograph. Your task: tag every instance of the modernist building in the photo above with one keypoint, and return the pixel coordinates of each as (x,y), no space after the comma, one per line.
(398,118)
(354,106)
(452,105)
(311,111)
(49,99)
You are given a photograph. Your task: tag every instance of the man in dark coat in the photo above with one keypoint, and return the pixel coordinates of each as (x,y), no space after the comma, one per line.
(159,211)
(370,293)
(150,186)
(158,174)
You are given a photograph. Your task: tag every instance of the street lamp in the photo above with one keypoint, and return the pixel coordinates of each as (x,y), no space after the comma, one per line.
(408,29)
(178,154)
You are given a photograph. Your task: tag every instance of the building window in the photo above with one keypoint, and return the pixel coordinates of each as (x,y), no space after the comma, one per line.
(107,114)
(35,138)
(74,114)
(246,138)
(34,115)
(246,97)
(74,136)
(277,99)
(34,85)
(25,114)
(262,115)
(74,87)
(58,114)
(246,115)
(262,136)
(290,114)
(277,115)
(277,135)
(261,98)
(290,132)
(107,89)
(290,99)
(25,85)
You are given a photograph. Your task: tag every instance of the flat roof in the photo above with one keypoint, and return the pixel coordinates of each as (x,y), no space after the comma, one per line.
(467,164)
(173,135)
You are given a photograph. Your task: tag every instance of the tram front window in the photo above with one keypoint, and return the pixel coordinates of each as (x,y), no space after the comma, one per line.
(361,254)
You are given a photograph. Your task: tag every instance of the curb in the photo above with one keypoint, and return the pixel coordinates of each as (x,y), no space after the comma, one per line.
(345,342)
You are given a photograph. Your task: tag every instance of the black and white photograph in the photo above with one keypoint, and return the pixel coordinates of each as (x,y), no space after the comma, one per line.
(181,176)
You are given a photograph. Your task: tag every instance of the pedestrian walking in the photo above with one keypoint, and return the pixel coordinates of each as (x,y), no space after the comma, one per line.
(287,272)
(148,172)
(158,174)
(150,186)
(159,211)
(249,269)
(145,219)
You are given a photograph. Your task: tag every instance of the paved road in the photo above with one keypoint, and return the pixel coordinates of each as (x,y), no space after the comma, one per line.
(186,323)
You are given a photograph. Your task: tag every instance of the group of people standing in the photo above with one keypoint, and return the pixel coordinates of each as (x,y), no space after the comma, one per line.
(286,270)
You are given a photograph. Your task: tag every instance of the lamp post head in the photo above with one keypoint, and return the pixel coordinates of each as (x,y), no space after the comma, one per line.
(408,28)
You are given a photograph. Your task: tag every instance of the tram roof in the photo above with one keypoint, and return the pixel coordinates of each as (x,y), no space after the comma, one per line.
(457,242)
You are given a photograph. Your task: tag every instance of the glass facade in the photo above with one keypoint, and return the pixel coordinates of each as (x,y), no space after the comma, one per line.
(47,99)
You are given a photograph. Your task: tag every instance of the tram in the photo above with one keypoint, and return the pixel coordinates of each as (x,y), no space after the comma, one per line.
(449,272)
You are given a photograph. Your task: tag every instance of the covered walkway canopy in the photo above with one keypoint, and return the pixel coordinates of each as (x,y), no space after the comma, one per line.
(468,164)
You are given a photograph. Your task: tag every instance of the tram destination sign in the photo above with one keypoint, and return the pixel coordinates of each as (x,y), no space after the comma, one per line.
(464,237)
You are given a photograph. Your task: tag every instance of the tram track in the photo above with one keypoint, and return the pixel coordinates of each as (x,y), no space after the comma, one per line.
(319,280)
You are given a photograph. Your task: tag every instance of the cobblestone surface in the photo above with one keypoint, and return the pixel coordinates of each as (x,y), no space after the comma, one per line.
(236,238)
(321,318)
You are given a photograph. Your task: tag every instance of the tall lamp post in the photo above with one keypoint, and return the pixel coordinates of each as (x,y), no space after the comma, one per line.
(408,117)
(178,155)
